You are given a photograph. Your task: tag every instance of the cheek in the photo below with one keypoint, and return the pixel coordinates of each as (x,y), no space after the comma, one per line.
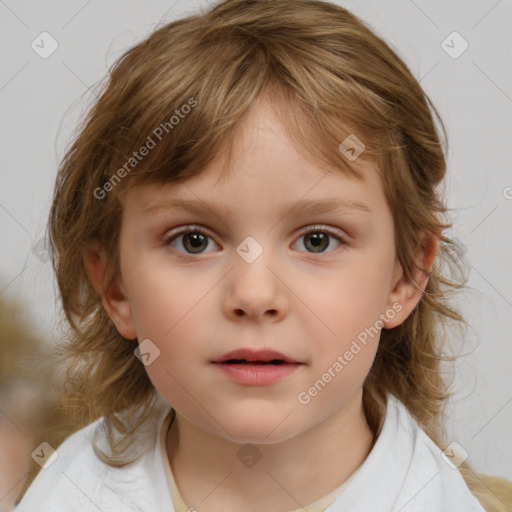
(174,310)
(346,320)
(164,299)
(349,300)
(176,323)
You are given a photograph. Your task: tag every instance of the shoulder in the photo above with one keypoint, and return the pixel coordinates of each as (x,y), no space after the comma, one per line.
(77,479)
(405,472)
(432,481)
(69,474)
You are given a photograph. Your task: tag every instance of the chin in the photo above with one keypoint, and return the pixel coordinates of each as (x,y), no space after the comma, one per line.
(270,430)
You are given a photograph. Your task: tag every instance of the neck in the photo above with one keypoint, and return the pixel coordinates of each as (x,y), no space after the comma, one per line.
(289,475)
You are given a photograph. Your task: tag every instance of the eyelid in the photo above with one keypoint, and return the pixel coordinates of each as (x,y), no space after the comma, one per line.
(320,227)
(194,228)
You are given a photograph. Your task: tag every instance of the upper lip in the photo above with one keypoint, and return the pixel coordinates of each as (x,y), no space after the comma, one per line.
(254,355)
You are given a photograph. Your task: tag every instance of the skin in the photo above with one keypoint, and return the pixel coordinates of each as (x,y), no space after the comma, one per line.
(308,305)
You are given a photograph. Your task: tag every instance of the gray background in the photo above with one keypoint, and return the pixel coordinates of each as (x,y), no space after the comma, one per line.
(41,100)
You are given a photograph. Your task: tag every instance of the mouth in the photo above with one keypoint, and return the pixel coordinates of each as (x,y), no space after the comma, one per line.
(246,356)
(256,368)
(244,361)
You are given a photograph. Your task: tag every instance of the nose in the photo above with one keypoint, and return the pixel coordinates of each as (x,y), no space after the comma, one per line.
(256,288)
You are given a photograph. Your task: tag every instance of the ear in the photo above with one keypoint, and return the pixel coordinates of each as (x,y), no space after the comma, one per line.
(406,293)
(113,296)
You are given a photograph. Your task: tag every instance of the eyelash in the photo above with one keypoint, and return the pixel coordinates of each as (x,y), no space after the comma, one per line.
(196,229)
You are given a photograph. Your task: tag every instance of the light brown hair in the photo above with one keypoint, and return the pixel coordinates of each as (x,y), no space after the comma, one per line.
(329,76)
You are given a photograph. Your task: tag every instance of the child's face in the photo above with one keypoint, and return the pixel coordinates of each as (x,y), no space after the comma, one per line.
(306,297)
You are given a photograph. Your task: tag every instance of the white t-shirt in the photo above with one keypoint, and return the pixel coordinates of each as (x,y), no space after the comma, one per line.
(404,472)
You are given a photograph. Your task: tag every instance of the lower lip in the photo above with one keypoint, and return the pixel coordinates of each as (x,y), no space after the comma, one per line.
(257,374)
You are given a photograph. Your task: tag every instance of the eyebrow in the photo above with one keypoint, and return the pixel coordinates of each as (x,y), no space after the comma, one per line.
(308,206)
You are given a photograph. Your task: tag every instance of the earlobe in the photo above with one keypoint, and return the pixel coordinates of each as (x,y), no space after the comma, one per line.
(408,293)
(112,295)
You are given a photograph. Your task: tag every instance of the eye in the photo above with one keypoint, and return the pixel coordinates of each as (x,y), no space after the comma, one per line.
(194,240)
(317,239)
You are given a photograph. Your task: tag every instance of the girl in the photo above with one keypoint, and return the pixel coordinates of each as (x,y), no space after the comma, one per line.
(248,241)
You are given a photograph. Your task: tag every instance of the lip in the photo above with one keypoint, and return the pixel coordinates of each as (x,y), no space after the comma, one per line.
(254,355)
(257,375)
(254,371)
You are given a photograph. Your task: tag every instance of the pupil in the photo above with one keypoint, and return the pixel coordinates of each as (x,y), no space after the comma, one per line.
(195,239)
(317,239)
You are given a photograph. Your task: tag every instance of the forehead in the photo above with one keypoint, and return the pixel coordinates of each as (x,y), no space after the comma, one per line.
(265,168)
